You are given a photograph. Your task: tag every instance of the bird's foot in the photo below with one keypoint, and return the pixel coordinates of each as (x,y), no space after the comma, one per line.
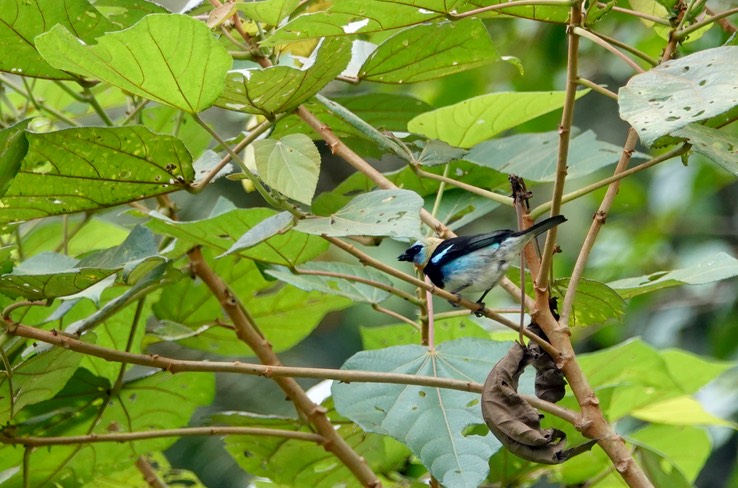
(480,311)
(455,303)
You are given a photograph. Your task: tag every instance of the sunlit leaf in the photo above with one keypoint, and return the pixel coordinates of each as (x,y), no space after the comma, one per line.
(477,119)
(393,213)
(171,59)
(430,421)
(719,267)
(681,91)
(429,51)
(277,89)
(685,448)
(290,165)
(683,410)
(94,167)
(21,21)
(125,13)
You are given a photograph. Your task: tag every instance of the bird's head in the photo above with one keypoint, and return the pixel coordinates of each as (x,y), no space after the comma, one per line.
(420,252)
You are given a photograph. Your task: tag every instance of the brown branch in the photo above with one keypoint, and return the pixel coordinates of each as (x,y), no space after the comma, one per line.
(249,334)
(150,477)
(173,366)
(32,441)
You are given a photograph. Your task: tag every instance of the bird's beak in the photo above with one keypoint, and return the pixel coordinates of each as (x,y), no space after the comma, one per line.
(406,256)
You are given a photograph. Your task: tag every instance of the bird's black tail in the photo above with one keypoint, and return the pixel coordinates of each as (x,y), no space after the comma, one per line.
(543,225)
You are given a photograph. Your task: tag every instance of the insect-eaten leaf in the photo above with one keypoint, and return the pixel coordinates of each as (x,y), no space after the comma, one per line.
(393,213)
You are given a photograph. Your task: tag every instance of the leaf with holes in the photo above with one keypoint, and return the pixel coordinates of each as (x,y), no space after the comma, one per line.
(429,51)
(168,58)
(393,213)
(290,165)
(681,91)
(277,89)
(334,278)
(430,421)
(89,168)
(719,267)
(476,119)
(720,147)
(21,21)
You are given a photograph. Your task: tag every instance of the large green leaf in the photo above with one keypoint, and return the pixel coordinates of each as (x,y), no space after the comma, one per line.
(157,401)
(476,119)
(683,410)
(533,156)
(21,21)
(125,13)
(36,379)
(94,167)
(681,91)
(719,267)
(685,448)
(290,165)
(430,421)
(171,59)
(633,375)
(190,313)
(459,208)
(269,91)
(335,280)
(430,51)
(393,213)
(717,145)
(222,231)
(13,148)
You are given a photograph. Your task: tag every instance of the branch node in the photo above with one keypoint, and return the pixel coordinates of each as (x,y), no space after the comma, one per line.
(600,216)
(591,400)
(623,465)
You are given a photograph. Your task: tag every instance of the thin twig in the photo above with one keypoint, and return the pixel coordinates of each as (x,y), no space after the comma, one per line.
(150,476)
(642,15)
(597,88)
(395,315)
(601,42)
(514,3)
(682,34)
(496,197)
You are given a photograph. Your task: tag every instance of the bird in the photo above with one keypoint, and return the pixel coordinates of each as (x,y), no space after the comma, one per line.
(473,263)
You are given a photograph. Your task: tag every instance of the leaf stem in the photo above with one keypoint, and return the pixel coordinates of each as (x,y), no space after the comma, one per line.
(597,88)
(395,316)
(41,107)
(642,15)
(682,34)
(495,197)
(514,3)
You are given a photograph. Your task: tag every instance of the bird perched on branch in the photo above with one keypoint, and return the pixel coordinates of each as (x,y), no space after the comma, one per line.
(473,263)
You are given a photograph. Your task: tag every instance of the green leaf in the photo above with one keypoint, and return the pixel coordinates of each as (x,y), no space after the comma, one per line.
(719,267)
(429,51)
(21,21)
(379,337)
(171,59)
(95,234)
(157,401)
(681,91)
(306,279)
(290,165)
(595,303)
(477,119)
(533,156)
(159,464)
(682,410)
(269,91)
(430,421)
(48,275)
(722,148)
(36,379)
(267,228)
(540,12)
(459,208)
(685,448)
(270,12)
(633,375)
(393,213)
(13,148)
(223,231)
(284,314)
(94,167)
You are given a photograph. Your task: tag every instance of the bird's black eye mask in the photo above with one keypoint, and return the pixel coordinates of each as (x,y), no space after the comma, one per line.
(410,254)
